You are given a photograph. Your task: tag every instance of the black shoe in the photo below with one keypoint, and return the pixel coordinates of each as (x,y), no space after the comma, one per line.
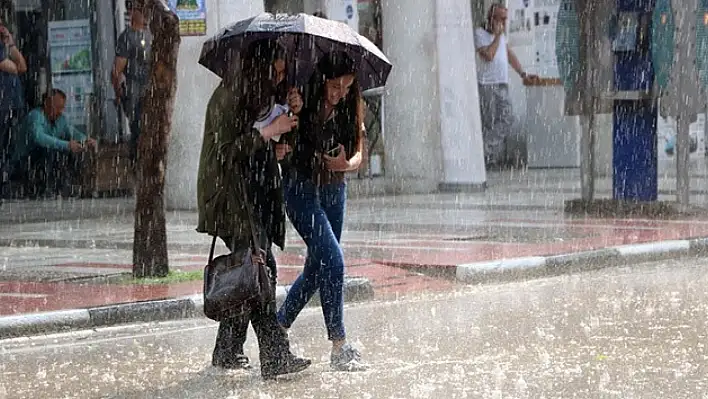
(240,362)
(292,364)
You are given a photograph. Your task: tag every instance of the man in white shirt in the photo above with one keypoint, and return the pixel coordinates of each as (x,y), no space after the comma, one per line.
(495,56)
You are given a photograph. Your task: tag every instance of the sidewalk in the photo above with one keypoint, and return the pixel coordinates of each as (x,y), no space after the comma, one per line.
(50,250)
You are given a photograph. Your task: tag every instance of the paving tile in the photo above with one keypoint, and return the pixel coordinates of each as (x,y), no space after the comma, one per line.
(385,239)
(29,297)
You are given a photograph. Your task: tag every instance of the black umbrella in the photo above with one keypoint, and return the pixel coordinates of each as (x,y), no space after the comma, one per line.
(305,38)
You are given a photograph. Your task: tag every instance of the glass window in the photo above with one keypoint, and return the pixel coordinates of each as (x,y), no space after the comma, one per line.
(370,20)
(71,40)
(284,6)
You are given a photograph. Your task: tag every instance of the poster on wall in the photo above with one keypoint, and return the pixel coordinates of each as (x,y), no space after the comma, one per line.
(344,11)
(666,136)
(70,57)
(192,16)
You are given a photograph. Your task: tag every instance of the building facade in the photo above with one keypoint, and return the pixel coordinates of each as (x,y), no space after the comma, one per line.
(416,149)
(420,140)
(69,45)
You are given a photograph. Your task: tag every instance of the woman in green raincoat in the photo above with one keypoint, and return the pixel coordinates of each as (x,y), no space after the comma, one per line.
(233,150)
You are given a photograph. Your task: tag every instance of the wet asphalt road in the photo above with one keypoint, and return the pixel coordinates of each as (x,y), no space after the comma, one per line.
(620,333)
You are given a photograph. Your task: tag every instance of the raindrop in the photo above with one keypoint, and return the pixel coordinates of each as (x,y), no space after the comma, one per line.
(499,377)
(604,381)
(521,386)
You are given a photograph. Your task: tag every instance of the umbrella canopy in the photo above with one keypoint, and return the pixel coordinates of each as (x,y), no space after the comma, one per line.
(305,38)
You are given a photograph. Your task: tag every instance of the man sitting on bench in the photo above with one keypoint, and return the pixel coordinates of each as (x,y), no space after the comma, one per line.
(46,152)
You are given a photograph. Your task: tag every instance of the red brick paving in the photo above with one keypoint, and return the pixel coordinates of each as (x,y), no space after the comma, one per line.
(30,297)
(401,251)
(393,282)
(59,296)
(598,233)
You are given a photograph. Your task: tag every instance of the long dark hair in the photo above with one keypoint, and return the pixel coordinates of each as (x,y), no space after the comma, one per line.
(255,79)
(349,112)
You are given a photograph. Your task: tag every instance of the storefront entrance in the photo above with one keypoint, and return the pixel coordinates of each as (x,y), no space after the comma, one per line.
(69,45)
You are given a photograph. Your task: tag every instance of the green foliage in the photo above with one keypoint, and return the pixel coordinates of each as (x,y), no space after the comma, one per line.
(187,5)
(173,277)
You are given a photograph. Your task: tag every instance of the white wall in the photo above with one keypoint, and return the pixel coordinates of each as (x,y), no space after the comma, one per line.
(194,88)
(517,90)
(413,148)
(461,125)
(603,145)
(336,10)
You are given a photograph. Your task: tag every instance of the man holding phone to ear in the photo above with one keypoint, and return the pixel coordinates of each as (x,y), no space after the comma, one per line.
(493,62)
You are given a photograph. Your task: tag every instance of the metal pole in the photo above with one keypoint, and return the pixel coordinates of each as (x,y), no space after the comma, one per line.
(382,129)
(685,100)
(683,154)
(587,15)
(587,162)
(592,132)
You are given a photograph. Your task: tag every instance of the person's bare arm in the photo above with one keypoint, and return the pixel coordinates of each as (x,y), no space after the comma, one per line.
(489,52)
(340,163)
(13,53)
(360,155)
(357,160)
(19,59)
(514,62)
(117,74)
(8,66)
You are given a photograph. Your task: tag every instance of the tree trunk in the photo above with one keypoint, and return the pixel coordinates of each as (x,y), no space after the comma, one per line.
(150,239)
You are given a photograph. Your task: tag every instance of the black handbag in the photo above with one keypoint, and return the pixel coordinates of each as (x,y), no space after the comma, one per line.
(234,281)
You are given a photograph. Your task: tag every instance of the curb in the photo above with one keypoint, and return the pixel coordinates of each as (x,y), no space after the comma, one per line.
(545,266)
(356,289)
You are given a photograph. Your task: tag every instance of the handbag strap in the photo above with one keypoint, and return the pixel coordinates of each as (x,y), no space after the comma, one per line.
(249,210)
(251,222)
(211,251)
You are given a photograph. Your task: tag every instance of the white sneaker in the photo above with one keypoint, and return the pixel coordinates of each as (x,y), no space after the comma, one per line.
(348,359)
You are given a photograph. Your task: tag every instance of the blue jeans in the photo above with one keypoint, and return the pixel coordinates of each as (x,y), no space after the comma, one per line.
(317,213)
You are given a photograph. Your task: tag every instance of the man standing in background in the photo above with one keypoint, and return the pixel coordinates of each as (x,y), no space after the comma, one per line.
(493,78)
(131,71)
